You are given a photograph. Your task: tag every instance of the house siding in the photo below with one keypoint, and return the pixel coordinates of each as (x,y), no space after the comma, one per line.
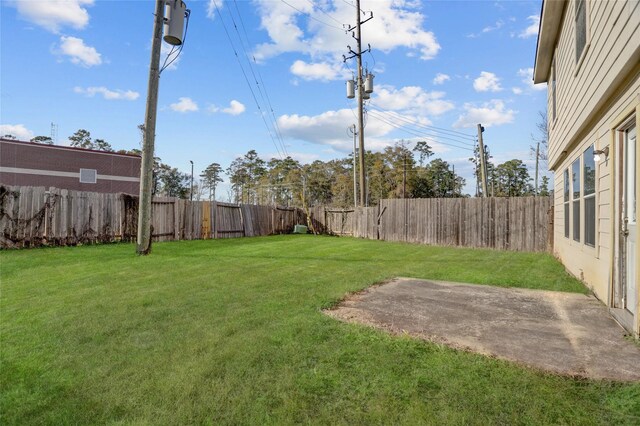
(584,88)
(592,264)
(594,96)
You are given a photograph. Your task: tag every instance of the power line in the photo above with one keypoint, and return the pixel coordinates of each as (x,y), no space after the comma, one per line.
(311,16)
(454,138)
(265,96)
(381,117)
(325,13)
(245,76)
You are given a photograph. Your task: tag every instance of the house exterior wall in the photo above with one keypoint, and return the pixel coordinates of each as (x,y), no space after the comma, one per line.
(594,96)
(586,87)
(31,164)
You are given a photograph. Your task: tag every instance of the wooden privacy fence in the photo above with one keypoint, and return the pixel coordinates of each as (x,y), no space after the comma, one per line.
(519,223)
(34,216)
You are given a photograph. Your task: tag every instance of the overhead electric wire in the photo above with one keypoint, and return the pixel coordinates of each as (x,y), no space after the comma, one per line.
(452,133)
(266,92)
(262,90)
(311,16)
(436,138)
(325,13)
(381,117)
(245,77)
(469,140)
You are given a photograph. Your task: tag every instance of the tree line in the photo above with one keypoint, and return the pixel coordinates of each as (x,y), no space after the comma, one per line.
(403,170)
(396,172)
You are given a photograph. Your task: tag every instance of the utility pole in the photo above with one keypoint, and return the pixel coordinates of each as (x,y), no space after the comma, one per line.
(143,240)
(537,160)
(361,94)
(363,185)
(483,162)
(191,192)
(404,174)
(355,180)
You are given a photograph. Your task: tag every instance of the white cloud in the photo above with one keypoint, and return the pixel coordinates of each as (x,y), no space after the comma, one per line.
(492,113)
(18,130)
(127,95)
(532,29)
(516,90)
(302,157)
(527,79)
(323,71)
(78,52)
(499,24)
(411,100)
(234,108)
(440,78)
(211,8)
(184,104)
(330,128)
(55,14)
(396,24)
(487,82)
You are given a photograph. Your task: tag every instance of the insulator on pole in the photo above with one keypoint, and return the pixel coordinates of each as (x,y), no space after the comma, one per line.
(174,13)
(368,83)
(351,89)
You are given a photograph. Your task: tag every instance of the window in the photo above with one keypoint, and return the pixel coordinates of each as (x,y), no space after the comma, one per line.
(581,27)
(88,176)
(589,194)
(553,90)
(566,203)
(575,196)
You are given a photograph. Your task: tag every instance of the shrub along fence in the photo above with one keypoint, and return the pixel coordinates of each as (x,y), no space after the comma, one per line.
(519,223)
(35,216)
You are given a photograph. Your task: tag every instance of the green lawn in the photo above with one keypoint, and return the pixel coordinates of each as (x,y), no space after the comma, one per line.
(230,332)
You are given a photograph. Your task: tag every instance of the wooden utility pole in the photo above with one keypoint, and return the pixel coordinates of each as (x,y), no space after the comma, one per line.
(143,241)
(537,164)
(363,183)
(355,180)
(483,162)
(404,174)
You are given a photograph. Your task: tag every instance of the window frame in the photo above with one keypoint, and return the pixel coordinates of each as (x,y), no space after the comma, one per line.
(585,47)
(83,172)
(589,195)
(576,199)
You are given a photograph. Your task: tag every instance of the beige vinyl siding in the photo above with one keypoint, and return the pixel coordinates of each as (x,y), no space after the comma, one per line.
(613,31)
(589,263)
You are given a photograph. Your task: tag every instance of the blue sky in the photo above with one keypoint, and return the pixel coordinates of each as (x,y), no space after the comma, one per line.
(448,64)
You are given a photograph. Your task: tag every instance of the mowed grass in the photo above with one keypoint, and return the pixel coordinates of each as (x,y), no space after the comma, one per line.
(231,332)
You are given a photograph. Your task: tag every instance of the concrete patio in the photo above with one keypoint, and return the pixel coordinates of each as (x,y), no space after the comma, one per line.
(563,333)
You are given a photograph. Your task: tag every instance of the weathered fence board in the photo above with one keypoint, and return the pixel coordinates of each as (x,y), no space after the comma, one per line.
(520,224)
(34,216)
